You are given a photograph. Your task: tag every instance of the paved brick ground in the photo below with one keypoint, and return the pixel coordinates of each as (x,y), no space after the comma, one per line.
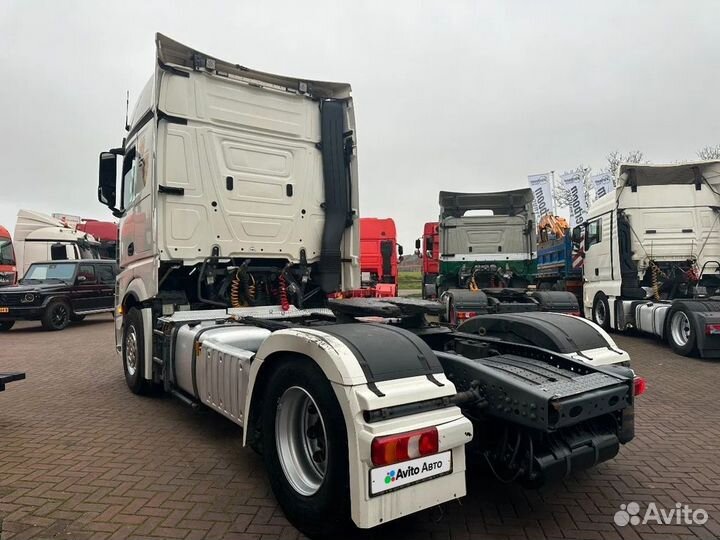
(80,457)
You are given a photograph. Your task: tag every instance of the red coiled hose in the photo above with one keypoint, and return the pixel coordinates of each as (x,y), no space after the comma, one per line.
(284,302)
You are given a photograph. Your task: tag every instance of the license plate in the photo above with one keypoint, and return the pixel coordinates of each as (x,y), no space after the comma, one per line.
(400,475)
(4,310)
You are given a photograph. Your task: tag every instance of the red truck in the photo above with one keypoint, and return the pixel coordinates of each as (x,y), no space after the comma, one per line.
(428,248)
(8,271)
(105,232)
(379,255)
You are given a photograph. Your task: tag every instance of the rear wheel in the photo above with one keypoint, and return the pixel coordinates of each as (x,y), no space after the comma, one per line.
(133,352)
(305,449)
(601,312)
(680,332)
(6,325)
(56,315)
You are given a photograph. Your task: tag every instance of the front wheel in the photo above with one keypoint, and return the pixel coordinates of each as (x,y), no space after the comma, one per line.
(56,315)
(133,352)
(6,325)
(305,449)
(601,312)
(680,332)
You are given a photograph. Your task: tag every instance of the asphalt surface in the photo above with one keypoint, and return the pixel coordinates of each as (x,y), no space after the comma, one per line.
(81,457)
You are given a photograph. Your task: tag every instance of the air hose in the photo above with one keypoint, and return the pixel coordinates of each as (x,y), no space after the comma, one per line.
(284,302)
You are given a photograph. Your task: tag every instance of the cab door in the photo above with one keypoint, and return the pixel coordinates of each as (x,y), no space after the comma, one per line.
(106,285)
(85,295)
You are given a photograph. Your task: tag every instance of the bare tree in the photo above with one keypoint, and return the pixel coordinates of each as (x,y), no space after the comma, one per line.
(709,152)
(562,197)
(615,158)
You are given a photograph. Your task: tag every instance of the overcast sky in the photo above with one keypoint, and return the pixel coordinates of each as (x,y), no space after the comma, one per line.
(467,96)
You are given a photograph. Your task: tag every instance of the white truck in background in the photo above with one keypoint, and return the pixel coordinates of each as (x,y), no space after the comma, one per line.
(652,255)
(40,238)
(239,224)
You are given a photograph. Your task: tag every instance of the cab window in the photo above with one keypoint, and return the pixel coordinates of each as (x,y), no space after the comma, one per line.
(58,252)
(429,246)
(129,172)
(594,233)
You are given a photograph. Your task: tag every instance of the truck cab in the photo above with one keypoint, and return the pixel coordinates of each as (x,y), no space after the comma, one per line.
(40,237)
(379,255)
(428,248)
(8,270)
(488,259)
(652,252)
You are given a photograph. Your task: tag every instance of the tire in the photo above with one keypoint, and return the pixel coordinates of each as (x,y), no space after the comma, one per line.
(315,496)
(56,315)
(133,353)
(448,314)
(6,325)
(77,318)
(601,312)
(680,332)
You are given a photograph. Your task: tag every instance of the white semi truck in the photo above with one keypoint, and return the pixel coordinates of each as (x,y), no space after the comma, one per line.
(40,238)
(652,255)
(238,225)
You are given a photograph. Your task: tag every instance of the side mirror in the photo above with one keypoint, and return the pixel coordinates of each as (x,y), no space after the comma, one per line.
(400,250)
(80,279)
(417,244)
(107,181)
(577,234)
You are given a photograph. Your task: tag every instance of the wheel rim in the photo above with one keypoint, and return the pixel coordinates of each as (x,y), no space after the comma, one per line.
(131,350)
(680,328)
(59,315)
(600,313)
(301,440)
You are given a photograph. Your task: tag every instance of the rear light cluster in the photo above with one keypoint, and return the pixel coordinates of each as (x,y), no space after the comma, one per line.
(639,386)
(712,329)
(464,315)
(404,446)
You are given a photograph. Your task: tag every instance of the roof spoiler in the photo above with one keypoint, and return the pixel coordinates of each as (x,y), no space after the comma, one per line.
(504,203)
(179,58)
(634,175)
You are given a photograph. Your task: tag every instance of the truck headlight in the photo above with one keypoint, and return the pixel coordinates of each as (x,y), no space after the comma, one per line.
(28,298)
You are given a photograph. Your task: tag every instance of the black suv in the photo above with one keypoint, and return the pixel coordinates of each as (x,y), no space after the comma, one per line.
(59,292)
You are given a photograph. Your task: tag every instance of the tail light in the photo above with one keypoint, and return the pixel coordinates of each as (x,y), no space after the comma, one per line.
(712,329)
(639,386)
(404,446)
(464,315)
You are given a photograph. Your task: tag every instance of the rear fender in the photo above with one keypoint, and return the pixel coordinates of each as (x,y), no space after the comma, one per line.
(573,336)
(350,384)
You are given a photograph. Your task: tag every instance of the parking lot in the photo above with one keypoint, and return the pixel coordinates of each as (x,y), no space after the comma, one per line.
(81,457)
